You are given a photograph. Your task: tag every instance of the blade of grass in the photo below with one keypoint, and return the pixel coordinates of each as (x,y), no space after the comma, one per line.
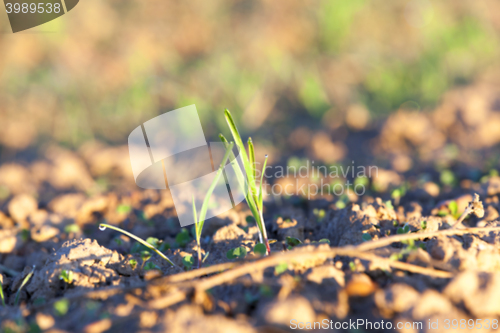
(261,199)
(251,154)
(251,197)
(201,221)
(204,207)
(140,240)
(26,279)
(1,294)
(241,146)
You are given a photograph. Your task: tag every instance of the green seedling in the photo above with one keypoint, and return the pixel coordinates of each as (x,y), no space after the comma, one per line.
(66,276)
(188,261)
(423,225)
(123,209)
(447,177)
(319,213)
(26,279)
(366,237)
(453,206)
(199,222)
(324,240)
(389,205)
(72,228)
(291,242)
(280,268)
(1,293)
(407,250)
(361,181)
(61,307)
(132,263)
(340,204)
(403,230)
(25,235)
(259,248)
(352,266)
(150,265)
(253,194)
(182,238)
(103,227)
(145,256)
(237,253)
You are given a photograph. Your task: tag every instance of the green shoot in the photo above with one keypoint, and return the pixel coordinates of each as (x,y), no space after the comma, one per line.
(150,265)
(237,253)
(188,261)
(1,294)
(66,275)
(259,248)
(280,268)
(26,279)
(199,222)
(254,202)
(61,307)
(103,227)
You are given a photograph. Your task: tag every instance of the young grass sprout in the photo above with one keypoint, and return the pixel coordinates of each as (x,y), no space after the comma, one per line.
(253,195)
(26,279)
(1,294)
(103,227)
(199,222)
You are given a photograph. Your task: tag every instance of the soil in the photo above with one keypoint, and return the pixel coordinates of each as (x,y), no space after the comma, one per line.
(49,223)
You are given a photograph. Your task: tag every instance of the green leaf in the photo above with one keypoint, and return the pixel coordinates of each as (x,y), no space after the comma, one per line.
(1,294)
(394,257)
(291,241)
(72,228)
(66,276)
(447,177)
(230,254)
(366,237)
(324,240)
(145,255)
(153,241)
(150,265)
(352,266)
(250,219)
(395,223)
(406,229)
(251,155)
(389,205)
(280,268)
(340,204)
(61,307)
(259,248)
(132,263)
(182,238)
(123,209)
(25,281)
(453,206)
(423,225)
(188,261)
(237,253)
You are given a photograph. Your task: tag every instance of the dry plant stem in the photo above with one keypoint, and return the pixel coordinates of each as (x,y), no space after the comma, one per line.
(270,261)
(466,212)
(398,238)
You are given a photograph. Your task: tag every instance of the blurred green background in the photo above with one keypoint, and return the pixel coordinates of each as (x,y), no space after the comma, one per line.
(107,66)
